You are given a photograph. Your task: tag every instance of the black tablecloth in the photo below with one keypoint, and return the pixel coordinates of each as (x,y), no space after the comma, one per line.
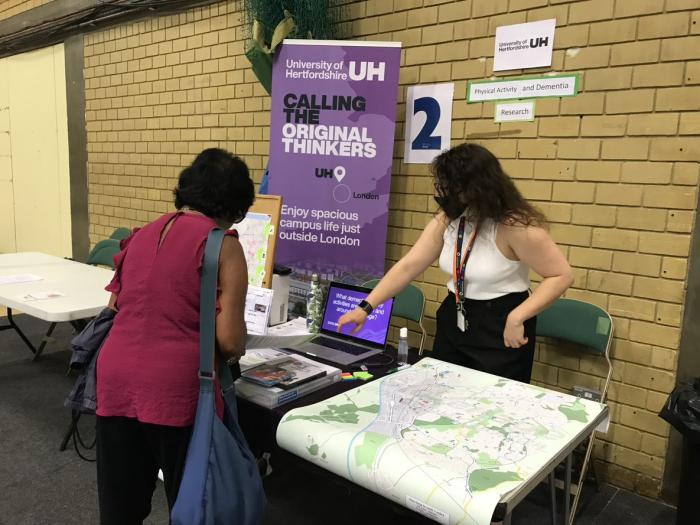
(259,423)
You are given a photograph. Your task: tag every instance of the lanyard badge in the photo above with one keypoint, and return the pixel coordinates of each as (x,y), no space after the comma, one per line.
(458,267)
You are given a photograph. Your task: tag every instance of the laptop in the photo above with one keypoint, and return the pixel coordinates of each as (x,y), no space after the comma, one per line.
(344,348)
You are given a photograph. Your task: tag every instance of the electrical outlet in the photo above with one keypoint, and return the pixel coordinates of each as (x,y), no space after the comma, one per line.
(586,393)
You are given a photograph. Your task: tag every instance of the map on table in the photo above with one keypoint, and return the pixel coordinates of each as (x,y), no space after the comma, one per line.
(254,233)
(441,439)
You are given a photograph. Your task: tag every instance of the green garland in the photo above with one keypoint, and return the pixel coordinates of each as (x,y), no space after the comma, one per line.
(269,22)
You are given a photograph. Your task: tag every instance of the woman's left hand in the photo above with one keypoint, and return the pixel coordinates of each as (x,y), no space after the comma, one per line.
(514,333)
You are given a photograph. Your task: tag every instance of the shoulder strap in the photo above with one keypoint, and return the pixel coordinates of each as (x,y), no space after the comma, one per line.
(207,308)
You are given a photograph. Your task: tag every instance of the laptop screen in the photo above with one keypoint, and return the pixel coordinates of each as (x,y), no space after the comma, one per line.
(343,298)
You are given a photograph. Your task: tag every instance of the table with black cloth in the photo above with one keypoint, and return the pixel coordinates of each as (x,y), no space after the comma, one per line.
(259,425)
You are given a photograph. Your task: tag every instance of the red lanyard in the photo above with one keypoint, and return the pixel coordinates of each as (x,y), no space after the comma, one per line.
(459,262)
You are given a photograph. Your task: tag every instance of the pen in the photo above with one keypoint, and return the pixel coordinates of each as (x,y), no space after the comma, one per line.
(402,367)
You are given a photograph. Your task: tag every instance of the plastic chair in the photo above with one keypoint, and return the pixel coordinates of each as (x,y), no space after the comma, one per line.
(120,234)
(103,252)
(585,324)
(409,304)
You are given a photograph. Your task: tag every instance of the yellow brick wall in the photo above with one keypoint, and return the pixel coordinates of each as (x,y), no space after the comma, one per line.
(9,8)
(615,168)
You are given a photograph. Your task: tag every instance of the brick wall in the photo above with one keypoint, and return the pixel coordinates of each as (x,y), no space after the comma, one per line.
(9,8)
(615,168)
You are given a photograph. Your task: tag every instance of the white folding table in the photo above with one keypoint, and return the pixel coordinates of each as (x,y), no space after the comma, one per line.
(82,287)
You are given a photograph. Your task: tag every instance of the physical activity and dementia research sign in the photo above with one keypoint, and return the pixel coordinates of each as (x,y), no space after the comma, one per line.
(331,149)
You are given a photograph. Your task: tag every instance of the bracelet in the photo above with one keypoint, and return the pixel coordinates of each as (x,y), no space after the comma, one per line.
(364,305)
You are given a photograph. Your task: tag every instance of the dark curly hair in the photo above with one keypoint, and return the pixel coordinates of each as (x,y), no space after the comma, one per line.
(469,178)
(217,184)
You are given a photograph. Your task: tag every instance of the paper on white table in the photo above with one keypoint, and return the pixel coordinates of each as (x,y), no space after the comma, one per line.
(19,278)
(39,296)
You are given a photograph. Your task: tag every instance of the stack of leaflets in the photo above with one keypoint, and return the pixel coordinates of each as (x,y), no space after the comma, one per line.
(271,377)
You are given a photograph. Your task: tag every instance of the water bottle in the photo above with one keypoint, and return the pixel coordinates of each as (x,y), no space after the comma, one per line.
(402,354)
(314,305)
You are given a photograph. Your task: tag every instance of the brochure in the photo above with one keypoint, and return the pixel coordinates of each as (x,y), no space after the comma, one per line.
(286,373)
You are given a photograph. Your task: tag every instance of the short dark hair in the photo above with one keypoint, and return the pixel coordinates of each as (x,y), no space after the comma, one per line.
(217,184)
(469,178)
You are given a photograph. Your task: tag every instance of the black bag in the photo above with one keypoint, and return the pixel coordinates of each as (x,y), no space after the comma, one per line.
(682,410)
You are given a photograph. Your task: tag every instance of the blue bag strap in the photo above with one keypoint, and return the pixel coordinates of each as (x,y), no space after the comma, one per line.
(207,308)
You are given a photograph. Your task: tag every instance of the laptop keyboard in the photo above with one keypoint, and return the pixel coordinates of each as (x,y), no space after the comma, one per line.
(348,348)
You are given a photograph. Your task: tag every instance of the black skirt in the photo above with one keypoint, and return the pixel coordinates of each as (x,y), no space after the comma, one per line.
(481,346)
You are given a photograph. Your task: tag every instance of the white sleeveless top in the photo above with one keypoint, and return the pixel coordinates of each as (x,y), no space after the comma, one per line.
(489,273)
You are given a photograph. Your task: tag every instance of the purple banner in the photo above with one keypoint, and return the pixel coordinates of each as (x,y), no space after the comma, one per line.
(331,149)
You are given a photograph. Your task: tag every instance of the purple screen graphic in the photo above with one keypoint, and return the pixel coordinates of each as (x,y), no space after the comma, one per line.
(341,300)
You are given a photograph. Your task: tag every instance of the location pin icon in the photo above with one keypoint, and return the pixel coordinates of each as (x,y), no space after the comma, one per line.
(339,173)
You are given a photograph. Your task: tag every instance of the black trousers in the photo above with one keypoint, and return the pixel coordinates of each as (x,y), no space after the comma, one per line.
(129,454)
(481,346)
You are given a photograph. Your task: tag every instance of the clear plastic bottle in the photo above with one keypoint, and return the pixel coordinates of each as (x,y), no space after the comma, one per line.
(402,352)
(314,305)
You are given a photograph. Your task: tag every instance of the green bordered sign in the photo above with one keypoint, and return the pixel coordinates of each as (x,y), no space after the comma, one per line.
(514,88)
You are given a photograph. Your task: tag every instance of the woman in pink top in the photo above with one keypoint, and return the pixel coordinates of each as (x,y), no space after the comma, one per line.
(147,383)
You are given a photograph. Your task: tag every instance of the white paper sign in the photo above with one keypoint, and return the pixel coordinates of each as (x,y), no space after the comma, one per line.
(257,309)
(428,122)
(522,46)
(515,111)
(549,86)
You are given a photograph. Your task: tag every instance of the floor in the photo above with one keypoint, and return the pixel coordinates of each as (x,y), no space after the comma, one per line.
(40,485)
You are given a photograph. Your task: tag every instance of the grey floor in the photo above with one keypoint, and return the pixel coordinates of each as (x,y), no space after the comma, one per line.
(40,485)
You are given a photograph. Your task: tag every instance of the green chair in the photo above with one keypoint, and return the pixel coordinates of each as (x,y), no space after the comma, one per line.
(103,252)
(588,325)
(120,234)
(409,304)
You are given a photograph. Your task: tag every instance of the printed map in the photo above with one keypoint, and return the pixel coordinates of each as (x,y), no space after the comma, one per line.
(254,232)
(443,440)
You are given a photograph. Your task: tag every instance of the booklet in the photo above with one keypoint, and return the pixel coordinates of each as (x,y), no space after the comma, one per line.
(268,374)
(284,373)
(259,356)
(274,396)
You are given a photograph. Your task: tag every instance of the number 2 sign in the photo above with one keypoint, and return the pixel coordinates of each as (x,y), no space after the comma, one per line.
(428,122)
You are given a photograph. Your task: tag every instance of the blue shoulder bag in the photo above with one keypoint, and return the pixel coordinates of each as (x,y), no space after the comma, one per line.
(221,484)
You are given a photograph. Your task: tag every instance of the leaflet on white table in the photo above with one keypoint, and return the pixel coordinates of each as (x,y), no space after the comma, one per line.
(40,296)
(19,278)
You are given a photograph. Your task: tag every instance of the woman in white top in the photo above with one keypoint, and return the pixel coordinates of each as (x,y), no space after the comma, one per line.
(487,322)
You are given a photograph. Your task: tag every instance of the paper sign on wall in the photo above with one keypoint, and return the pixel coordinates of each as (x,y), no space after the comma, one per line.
(428,122)
(539,87)
(514,111)
(523,46)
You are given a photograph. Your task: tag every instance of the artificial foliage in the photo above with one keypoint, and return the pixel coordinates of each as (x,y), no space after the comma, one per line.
(269,22)
(312,18)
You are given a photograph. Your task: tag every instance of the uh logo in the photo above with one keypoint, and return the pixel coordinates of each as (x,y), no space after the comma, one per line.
(539,42)
(366,70)
(328,173)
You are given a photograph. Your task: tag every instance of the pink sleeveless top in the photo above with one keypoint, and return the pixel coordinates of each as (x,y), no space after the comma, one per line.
(147,368)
